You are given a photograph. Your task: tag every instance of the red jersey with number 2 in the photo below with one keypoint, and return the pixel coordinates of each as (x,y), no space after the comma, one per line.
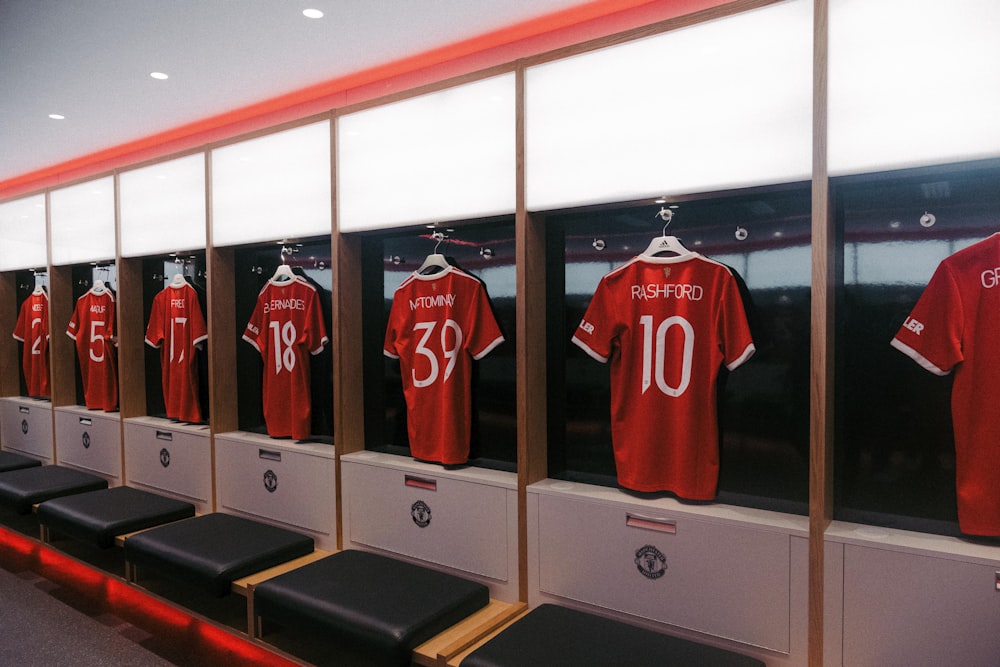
(176,326)
(286,327)
(93,328)
(438,324)
(667,325)
(32,329)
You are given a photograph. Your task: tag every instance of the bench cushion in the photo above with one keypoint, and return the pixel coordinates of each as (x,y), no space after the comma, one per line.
(99,516)
(12,461)
(213,550)
(20,489)
(385,606)
(554,636)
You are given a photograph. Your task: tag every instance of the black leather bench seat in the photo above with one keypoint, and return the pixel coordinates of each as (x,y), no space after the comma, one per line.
(20,489)
(213,550)
(11,461)
(383,606)
(99,516)
(554,636)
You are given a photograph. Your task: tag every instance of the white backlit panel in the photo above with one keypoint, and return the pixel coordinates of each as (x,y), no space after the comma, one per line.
(22,234)
(163,207)
(273,187)
(83,222)
(912,82)
(719,105)
(448,155)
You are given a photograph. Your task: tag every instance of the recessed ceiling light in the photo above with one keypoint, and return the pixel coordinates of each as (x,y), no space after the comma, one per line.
(159,75)
(57,116)
(312,13)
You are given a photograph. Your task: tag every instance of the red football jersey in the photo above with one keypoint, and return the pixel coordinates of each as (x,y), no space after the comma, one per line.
(667,324)
(287,326)
(438,324)
(32,329)
(93,328)
(176,326)
(954,326)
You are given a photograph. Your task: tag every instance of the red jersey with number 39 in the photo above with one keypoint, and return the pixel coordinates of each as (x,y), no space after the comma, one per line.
(954,326)
(93,328)
(32,329)
(438,324)
(667,325)
(286,327)
(176,326)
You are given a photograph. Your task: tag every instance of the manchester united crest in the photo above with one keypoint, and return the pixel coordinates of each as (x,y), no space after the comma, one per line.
(651,562)
(270,481)
(420,513)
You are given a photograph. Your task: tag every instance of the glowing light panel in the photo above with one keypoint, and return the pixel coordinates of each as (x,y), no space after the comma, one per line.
(448,155)
(83,222)
(22,234)
(719,105)
(163,207)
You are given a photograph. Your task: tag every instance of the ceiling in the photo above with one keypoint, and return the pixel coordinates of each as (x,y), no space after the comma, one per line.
(91,60)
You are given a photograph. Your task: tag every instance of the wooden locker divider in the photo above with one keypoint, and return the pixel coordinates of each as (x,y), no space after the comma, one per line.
(9,363)
(62,354)
(222,335)
(131,339)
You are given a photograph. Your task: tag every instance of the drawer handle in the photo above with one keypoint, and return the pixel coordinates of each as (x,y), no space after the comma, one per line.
(269,455)
(23,410)
(998,581)
(421,483)
(659,525)
(86,421)
(165,435)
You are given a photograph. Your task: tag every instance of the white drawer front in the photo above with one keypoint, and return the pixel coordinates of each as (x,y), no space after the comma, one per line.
(454,523)
(729,581)
(174,461)
(89,441)
(27,428)
(294,488)
(914,610)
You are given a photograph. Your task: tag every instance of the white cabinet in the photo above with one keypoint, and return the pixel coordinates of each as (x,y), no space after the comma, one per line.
(464,520)
(89,440)
(26,425)
(281,482)
(170,458)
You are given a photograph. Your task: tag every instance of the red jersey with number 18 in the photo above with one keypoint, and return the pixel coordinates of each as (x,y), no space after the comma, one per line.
(286,327)
(438,324)
(668,325)
(32,329)
(93,328)
(176,326)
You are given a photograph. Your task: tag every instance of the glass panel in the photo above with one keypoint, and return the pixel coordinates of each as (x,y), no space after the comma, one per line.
(719,105)
(22,234)
(83,222)
(273,187)
(399,164)
(912,82)
(163,207)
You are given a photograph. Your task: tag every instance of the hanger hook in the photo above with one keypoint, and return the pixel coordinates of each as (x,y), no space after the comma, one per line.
(666,215)
(439,237)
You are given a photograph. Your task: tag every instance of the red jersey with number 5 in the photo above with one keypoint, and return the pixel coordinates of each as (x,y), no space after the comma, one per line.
(954,326)
(667,325)
(286,327)
(438,324)
(93,328)
(32,329)
(176,326)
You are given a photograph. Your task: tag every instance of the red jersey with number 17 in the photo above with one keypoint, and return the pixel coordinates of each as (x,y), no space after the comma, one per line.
(93,328)
(286,327)
(176,326)
(32,329)
(954,326)
(438,324)
(668,325)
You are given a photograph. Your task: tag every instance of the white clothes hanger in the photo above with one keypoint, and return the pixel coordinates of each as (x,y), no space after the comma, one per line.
(178,280)
(39,285)
(98,287)
(435,262)
(664,243)
(283,274)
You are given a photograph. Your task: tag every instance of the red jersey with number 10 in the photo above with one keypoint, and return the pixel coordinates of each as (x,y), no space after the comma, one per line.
(176,326)
(287,326)
(32,329)
(93,328)
(438,324)
(668,325)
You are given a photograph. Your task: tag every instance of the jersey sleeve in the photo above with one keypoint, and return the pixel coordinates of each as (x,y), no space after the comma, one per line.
(484,332)
(735,329)
(252,333)
(315,334)
(74,322)
(199,329)
(21,327)
(154,330)
(389,345)
(932,334)
(596,331)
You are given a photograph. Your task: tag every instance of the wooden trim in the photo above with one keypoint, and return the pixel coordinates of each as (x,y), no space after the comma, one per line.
(273,129)
(62,352)
(822,343)
(9,362)
(152,162)
(131,340)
